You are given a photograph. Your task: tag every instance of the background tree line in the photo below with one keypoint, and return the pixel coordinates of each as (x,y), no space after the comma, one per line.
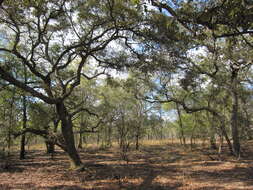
(188,60)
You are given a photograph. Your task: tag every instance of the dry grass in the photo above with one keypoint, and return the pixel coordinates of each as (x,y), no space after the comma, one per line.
(158,166)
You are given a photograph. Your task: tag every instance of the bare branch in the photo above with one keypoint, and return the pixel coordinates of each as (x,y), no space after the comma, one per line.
(6,76)
(83,109)
(94,76)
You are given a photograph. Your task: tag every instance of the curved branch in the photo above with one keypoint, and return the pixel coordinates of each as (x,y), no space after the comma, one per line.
(6,76)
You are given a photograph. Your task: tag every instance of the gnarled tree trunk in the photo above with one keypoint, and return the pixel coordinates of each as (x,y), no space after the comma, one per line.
(68,135)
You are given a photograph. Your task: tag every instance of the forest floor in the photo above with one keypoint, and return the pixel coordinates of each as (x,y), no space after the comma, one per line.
(157,166)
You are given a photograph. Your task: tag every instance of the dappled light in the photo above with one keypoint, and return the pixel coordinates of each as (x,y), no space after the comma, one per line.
(160,166)
(126,94)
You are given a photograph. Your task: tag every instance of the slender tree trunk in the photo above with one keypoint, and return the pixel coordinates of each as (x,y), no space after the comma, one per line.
(98,138)
(23,137)
(180,125)
(80,144)
(68,135)
(109,137)
(9,143)
(137,137)
(224,133)
(212,132)
(192,133)
(220,146)
(234,115)
(213,141)
(50,147)
(10,122)
(82,125)
(172,138)
(247,125)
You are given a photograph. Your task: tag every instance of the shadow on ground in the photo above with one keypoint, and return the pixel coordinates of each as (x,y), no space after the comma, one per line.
(159,167)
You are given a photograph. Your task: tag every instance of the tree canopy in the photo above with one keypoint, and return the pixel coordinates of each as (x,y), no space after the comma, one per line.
(119,69)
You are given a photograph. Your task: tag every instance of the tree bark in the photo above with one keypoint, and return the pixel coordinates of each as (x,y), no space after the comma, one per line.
(80,144)
(180,125)
(68,135)
(234,114)
(9,139)
(224,133)
(109,137)
(50,147)
(247,125)
(23,137)
(137,137)
(212,139)
(138,131)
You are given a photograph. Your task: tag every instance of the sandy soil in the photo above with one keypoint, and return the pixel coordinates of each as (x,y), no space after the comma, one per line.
(154,167)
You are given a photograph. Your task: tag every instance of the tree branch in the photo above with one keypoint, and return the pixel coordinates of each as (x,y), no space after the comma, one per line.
(6,76)
(83,109)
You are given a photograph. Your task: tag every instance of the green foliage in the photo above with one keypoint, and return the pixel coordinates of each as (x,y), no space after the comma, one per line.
(185,54)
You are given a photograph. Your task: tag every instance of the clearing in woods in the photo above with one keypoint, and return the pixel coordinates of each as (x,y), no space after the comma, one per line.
(157,166)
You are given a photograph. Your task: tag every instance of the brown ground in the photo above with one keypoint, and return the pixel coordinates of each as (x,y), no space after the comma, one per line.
(155,167)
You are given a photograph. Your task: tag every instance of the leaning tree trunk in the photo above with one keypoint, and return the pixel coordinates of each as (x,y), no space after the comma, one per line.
(68,135)
(234,115)
(221,118)
(224,133)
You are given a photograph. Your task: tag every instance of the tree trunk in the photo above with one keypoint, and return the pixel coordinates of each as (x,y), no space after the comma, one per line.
(212,132)
(137,136)
(68,135)
(98,138)
(213,142)
(220,146)
(23,137)
(224,133)
(137,142)
(180,125)
(80,144)
(234,115)
(82,125)
(10,122)
(192,134)
(247,125)
(50,147)
(109,137)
